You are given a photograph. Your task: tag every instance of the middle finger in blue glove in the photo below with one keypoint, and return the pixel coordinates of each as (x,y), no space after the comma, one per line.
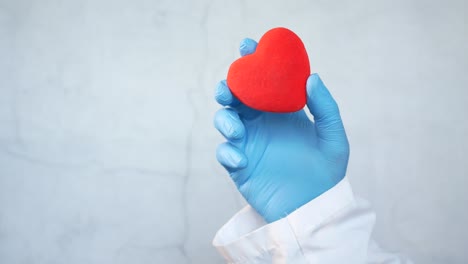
(224,97)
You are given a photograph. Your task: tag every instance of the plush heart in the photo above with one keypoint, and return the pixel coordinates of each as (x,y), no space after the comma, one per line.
(273,78)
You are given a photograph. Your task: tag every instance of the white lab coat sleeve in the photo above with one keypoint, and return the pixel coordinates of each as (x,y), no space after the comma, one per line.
(335,227)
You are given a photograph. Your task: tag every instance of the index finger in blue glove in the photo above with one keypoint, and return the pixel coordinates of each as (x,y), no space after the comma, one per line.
(247,46)
(223,95)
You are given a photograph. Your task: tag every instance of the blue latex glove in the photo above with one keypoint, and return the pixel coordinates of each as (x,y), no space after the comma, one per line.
(280,162)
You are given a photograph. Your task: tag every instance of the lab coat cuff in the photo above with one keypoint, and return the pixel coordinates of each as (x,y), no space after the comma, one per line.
(247,237)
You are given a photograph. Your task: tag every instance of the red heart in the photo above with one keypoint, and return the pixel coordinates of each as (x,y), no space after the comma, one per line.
(273,78)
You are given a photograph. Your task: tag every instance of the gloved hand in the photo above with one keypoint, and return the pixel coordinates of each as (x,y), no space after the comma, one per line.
(280,162)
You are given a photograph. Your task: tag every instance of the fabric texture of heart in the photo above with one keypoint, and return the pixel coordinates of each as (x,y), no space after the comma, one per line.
(273,78)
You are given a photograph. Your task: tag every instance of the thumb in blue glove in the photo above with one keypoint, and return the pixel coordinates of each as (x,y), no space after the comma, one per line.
(280,162)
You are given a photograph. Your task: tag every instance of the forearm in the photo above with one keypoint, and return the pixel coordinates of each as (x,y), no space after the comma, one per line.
(335,227)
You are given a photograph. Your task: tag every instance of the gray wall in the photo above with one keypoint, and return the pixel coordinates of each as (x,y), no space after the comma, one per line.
(106,137)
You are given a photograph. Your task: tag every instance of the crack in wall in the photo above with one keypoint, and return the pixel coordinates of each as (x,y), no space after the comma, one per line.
(190,136)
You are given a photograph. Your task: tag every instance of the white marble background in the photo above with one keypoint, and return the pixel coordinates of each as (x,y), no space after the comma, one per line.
(106,137)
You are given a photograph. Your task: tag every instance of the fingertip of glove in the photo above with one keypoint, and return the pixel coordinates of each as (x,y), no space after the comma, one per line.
(223,94)
(230,157)
(247,46)
(312,80)
(242,162)
(314,83)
